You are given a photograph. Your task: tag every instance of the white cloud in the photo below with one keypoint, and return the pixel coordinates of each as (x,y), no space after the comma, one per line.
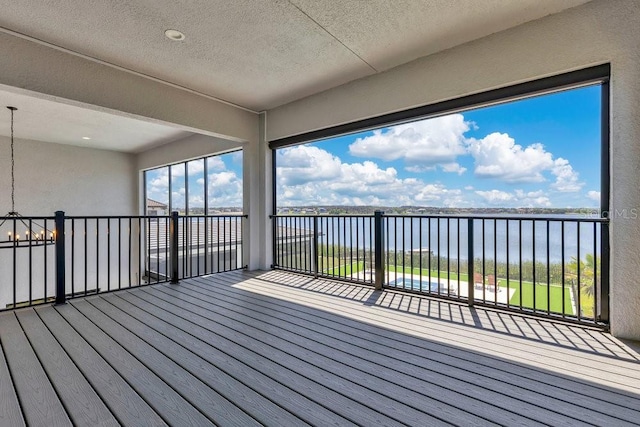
(225,189)
(158,185)
(594,195)
(438,194)
(196,201)
(236,156)
(498,156)
(566,177)
(431,192)
(195,167)
(303,164)
(540,202)
(520,194)
(215,163)
(453,167)
(518,198)
(422,144)
(420,169)
(495,196)
(177,170)
(312,176)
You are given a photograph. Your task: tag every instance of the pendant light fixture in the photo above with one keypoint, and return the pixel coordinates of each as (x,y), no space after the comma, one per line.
(13,224)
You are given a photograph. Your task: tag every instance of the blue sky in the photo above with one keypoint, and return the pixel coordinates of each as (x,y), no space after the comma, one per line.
(538,152)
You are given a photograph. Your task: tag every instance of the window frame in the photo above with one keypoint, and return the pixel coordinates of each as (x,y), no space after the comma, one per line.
(596,75)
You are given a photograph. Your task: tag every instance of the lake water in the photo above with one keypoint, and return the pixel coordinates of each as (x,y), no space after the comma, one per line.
(500,239)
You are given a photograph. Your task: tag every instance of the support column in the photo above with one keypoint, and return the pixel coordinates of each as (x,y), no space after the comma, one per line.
(257,181)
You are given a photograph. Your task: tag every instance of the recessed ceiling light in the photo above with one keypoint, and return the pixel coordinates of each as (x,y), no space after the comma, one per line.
(85,137)
(174,35)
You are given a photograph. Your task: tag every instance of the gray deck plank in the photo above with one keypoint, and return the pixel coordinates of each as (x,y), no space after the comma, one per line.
(495,374)
(427,397)
(578,364)
(39,400)
(244,365)
(511,326)
(170,405)
(324,386)
(402,368)
(10,412)
(128,407)
(245,397)
(346,404)
(82,403)
(536,368)
(210,403)
(282,349)
(415,386)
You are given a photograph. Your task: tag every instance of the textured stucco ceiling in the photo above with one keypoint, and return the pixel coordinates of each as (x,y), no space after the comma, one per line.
(262,53)
(50,121)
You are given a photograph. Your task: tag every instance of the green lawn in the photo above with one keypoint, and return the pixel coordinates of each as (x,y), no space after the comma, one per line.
(555,291)
(344,269)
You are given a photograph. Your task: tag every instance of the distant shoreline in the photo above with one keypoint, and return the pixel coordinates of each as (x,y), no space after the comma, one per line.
(424,210)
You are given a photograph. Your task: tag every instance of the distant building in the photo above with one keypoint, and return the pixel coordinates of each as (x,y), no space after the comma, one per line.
(155,208)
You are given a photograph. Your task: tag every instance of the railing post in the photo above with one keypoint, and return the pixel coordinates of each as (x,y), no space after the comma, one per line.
(470,267)
(604,274)
(315,247)
(378,248)
(60,258)
(173,246)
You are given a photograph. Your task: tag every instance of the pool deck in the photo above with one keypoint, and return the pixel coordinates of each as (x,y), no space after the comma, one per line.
(461,288)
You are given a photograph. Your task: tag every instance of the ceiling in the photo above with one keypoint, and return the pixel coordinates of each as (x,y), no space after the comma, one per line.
(263,53)
(257,54)
(48,120)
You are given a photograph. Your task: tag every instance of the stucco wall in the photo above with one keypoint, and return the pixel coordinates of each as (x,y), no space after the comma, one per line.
(597,32)
(79,181)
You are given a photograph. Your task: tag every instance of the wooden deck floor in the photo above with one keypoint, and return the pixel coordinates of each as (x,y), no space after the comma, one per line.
(280,349)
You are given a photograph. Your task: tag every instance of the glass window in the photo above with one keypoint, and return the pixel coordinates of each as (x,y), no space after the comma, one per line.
(213,182)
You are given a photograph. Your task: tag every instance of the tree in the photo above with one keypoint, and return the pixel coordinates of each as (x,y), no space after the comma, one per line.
(587,270)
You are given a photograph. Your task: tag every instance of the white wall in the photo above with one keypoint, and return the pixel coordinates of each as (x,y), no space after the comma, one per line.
(598,32)
(79,181)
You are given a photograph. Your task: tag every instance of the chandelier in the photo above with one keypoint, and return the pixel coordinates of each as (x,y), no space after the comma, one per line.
(13,223)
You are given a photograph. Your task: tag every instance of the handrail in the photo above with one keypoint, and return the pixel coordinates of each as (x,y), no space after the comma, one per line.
(475,216)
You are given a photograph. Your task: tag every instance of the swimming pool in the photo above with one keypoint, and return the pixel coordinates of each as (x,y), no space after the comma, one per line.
(414,285)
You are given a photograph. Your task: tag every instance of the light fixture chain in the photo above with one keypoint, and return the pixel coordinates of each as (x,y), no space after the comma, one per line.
(13,177)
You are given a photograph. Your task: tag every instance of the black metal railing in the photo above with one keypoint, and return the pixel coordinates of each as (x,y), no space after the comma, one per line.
(27,261)
(94,254)
(551,266)
(209,244)
(338,247)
